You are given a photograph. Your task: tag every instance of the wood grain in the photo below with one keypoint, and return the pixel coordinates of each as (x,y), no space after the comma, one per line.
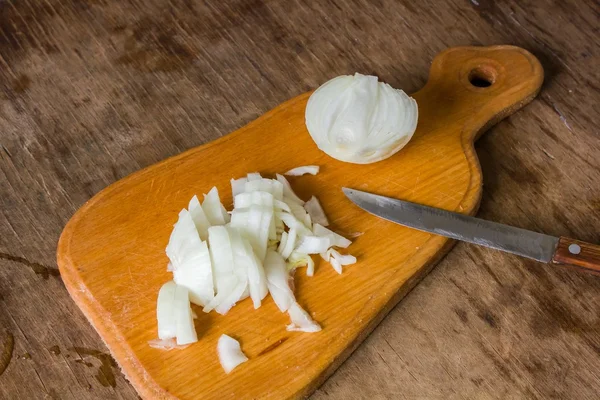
(576,253)
(483,324)
(111,253)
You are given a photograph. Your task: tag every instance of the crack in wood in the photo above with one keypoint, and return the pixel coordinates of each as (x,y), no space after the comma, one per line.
(39,269)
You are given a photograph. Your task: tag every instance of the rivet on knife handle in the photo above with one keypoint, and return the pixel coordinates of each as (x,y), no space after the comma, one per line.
(577,253)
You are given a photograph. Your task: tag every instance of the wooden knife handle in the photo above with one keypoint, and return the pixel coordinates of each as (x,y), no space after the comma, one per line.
(578,254)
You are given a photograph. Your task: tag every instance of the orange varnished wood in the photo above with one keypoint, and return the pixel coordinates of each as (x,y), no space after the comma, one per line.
(584,256)
(111,254)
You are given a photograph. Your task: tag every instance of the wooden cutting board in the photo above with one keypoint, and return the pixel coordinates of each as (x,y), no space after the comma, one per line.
(112,259)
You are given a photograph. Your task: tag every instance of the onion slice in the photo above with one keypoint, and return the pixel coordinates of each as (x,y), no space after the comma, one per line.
(301,320)
(297,259)
(186,332)
(278,281)
(190,259)
(336,240)
(308,169)
(215,212)
(287,190)
(314,209)
(230,353)
(199,217)
(313,245)
(167,326)
(238,186)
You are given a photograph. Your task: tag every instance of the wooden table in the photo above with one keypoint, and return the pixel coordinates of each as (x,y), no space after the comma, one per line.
(93,90)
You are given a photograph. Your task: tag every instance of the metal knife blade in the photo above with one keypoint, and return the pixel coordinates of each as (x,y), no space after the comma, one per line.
(518,241)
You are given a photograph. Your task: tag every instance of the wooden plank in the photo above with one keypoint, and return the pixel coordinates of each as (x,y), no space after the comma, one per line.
(73,120)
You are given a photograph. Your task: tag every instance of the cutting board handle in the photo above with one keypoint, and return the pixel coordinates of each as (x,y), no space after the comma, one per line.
(488,83)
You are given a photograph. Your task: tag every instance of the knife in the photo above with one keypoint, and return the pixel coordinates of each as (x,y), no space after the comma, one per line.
(540,247)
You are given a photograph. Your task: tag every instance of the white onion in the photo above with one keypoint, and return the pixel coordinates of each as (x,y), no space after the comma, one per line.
(230,353)
(167,326)
(246,259)
(255,224)
(196,276)
(221,254)
(287,190)
(313,245)
(336,240)
(314,209)
(297,259)
(360,120)
(308,169)
(238,186)
(278,281)
(219,259)
(253,176)
(293,223)
(265,185)
(343,259)
(199,217)
(190,259)
(290,243)
(186,333)
(301,320)
(214,210)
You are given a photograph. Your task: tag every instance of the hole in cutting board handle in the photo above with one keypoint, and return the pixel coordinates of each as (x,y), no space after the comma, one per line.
(482,77)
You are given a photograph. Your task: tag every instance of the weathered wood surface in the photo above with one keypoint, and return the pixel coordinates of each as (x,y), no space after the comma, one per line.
(94,90)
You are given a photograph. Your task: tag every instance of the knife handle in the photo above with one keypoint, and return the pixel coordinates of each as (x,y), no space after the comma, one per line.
(571,252)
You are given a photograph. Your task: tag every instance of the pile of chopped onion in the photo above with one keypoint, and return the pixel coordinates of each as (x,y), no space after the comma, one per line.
(219,258)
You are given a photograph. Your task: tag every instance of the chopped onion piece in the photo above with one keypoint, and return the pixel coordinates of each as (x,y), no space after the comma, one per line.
(301,260)
(196,276)
(314,209)
(233,297)
(336,265)
(253,176)
(214,210)
(299,212)
(282,205)
(230,353)
(255,224)
(221,254)
(247,199)
(238,186)
(278,281)
(252,268)
(313,245)
(292,222)
(343,259)
(287,190)
(265,185)
(167,326)
(308,169)
(186,333)
(190,259)
(290,243)
(336,240)
(301,320)
(337,260)
(282,242)
(199,217)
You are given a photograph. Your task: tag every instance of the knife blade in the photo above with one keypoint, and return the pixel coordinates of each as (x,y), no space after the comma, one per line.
(537,246)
